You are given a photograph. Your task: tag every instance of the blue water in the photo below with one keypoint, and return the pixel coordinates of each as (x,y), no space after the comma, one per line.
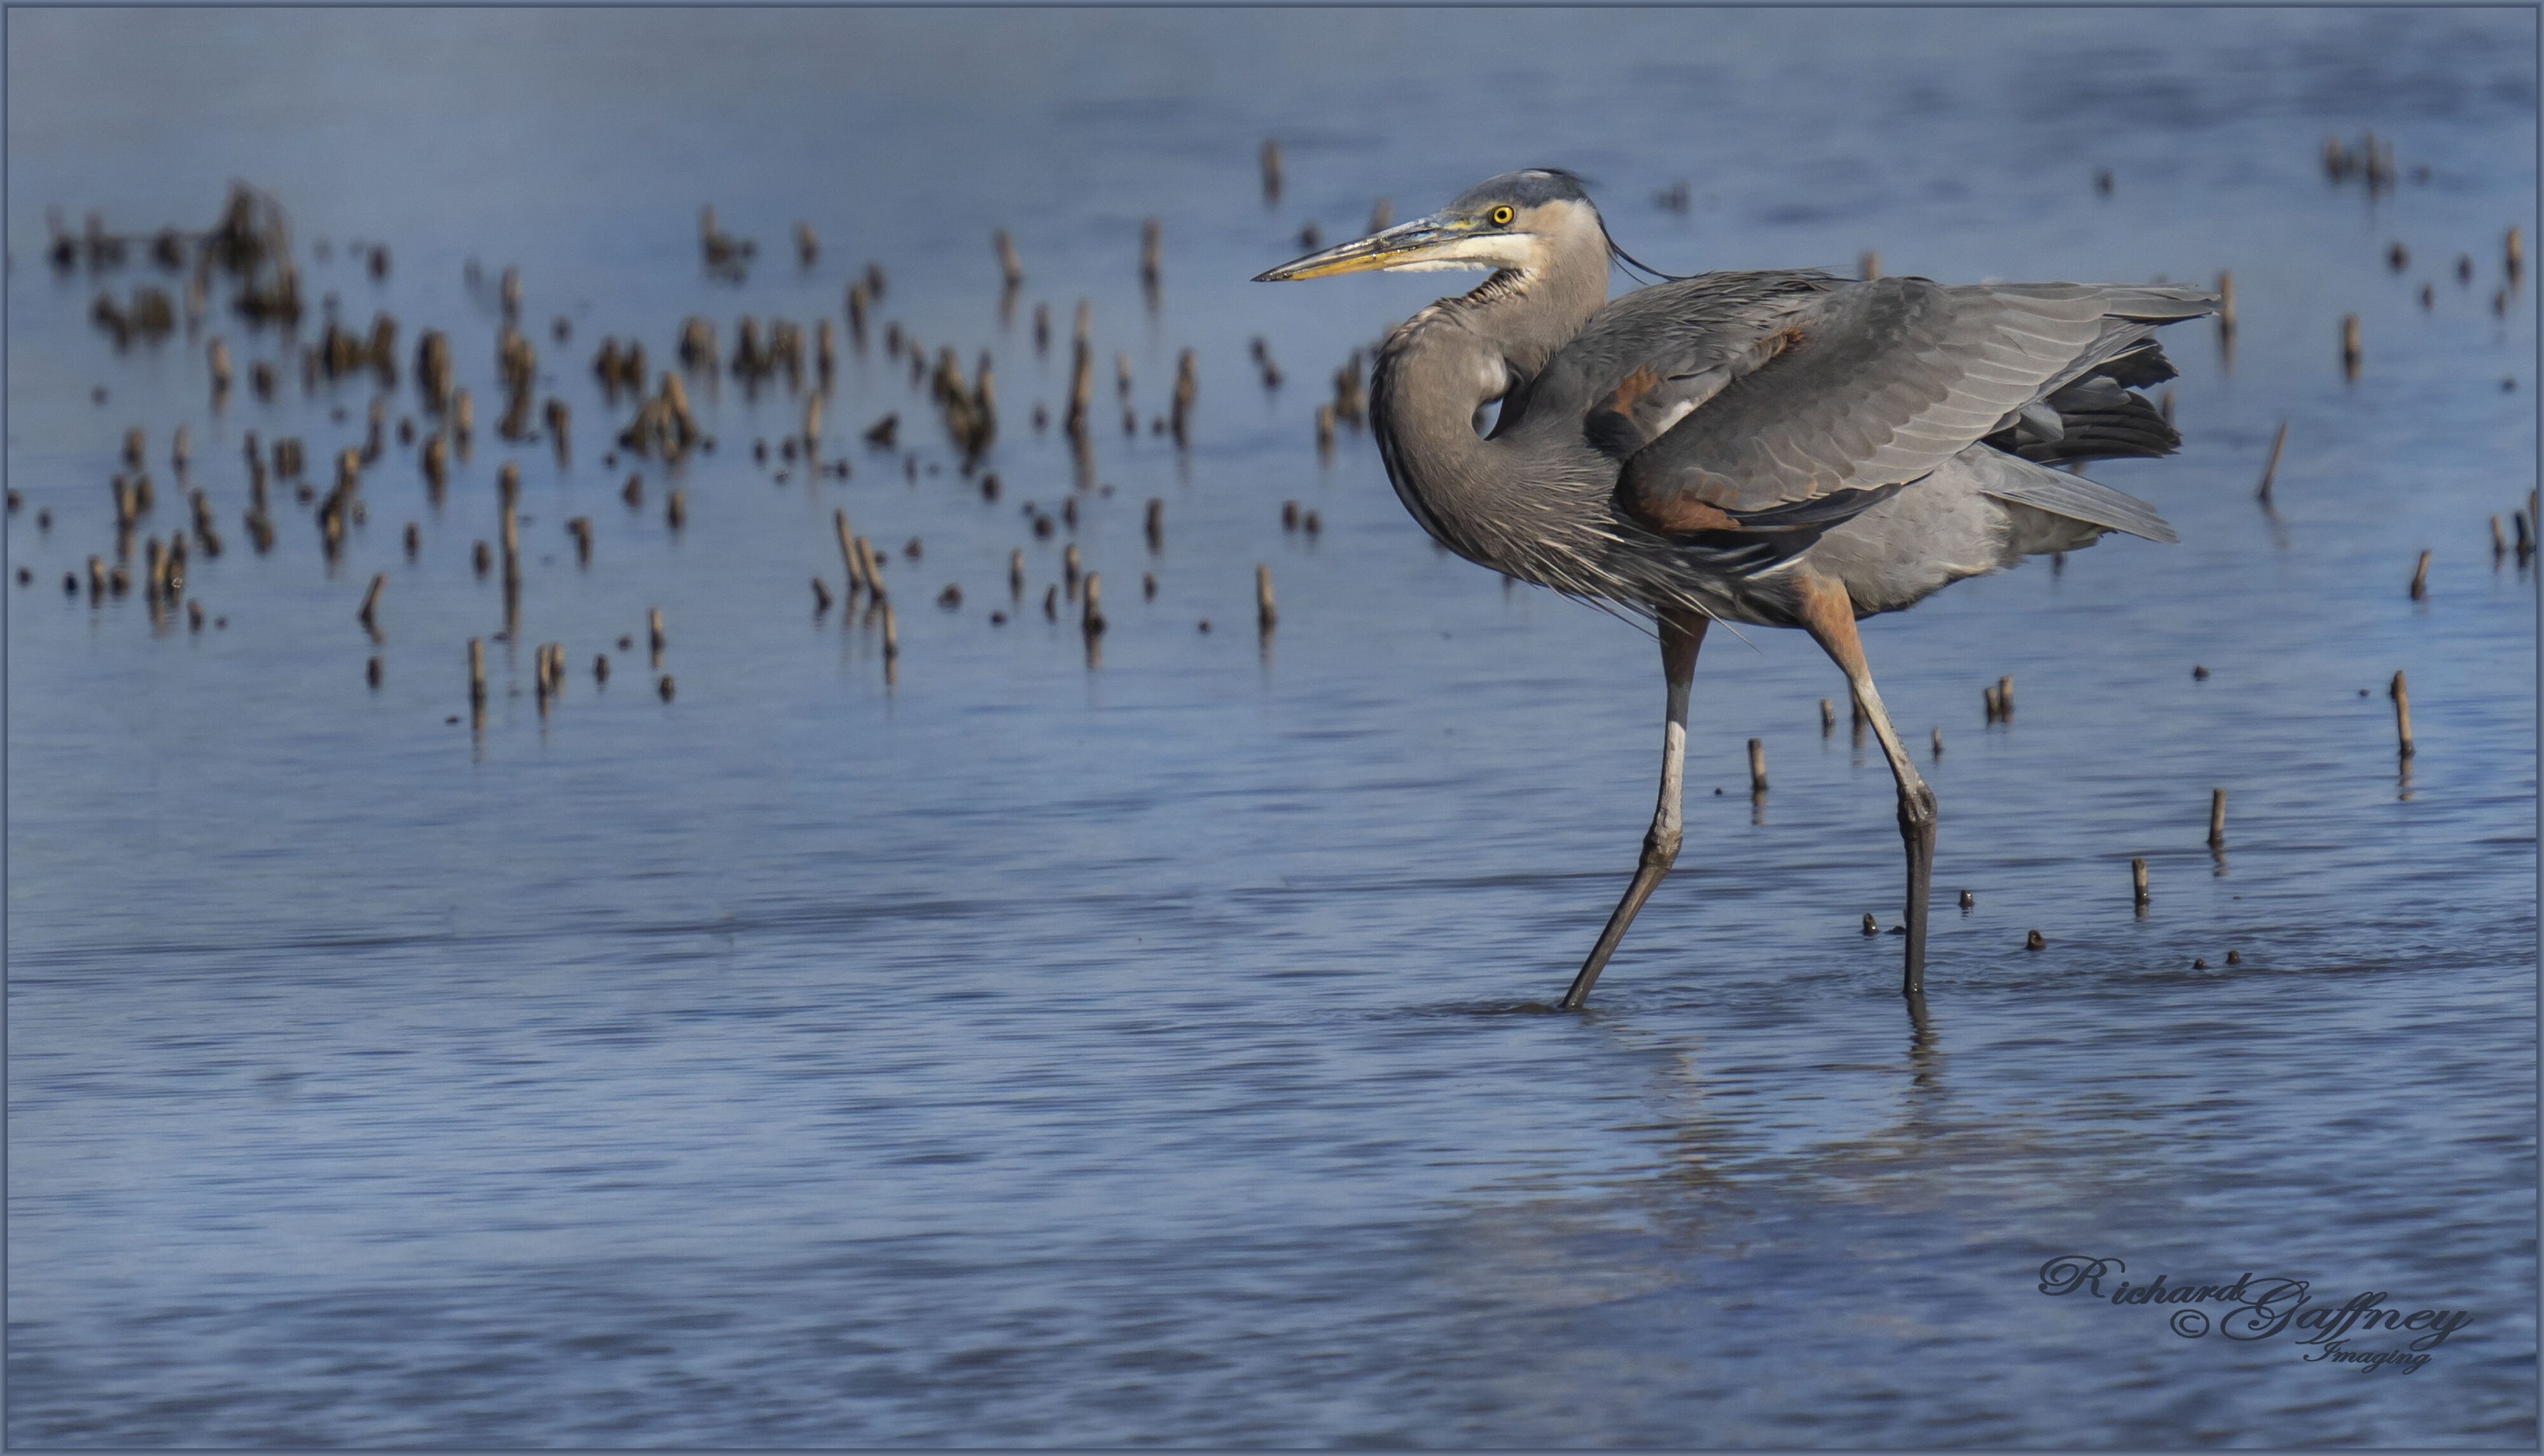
(1029,1052)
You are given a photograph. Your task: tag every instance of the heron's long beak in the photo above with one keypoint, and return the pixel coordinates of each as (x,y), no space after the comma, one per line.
(1425,240)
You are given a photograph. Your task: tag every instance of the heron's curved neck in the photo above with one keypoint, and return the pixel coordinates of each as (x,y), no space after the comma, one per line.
(1530,314)
(1439,368)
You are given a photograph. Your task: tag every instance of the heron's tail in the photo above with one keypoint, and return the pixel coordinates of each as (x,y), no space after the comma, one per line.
(2010,477)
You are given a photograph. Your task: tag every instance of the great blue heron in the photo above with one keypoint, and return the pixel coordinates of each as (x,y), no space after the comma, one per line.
(1788,449)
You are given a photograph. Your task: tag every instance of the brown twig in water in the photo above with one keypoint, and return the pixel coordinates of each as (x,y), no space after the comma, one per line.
(2402,714)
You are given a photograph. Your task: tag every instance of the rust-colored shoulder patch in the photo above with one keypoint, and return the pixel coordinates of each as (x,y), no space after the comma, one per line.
(1678,512)
(1643,381)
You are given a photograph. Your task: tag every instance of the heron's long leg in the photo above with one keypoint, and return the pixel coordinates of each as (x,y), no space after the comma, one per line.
(1682,633)
(1829,616)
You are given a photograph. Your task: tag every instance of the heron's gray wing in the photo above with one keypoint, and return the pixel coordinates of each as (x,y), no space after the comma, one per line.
(1688,335)
(1875,385)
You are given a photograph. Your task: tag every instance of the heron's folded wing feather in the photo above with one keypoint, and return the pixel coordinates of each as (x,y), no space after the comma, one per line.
(1882,383)
(2012,478)
(1668,349)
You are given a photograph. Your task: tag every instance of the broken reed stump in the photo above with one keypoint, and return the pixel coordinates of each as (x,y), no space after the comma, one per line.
(870,570)
(2421,578)
(890,634)
(2005,698)
(1156,524)
(1188,386)
(508,491)
(477,678)
(1828,718)
(654,634)
(1091,622)
(1757,766)
(370,604)
(1266,616)
(2138,883)
(2402,714)
(821,597)
(2216,817)
(847,551)
(1987,700)
(2271,469)
(2349,351)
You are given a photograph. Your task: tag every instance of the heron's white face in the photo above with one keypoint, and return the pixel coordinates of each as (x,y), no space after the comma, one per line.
(1489,237)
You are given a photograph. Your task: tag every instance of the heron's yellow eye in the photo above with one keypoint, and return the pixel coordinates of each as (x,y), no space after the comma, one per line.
(1501,216)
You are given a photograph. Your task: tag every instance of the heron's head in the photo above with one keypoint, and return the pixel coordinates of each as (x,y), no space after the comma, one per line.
(1523,221)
